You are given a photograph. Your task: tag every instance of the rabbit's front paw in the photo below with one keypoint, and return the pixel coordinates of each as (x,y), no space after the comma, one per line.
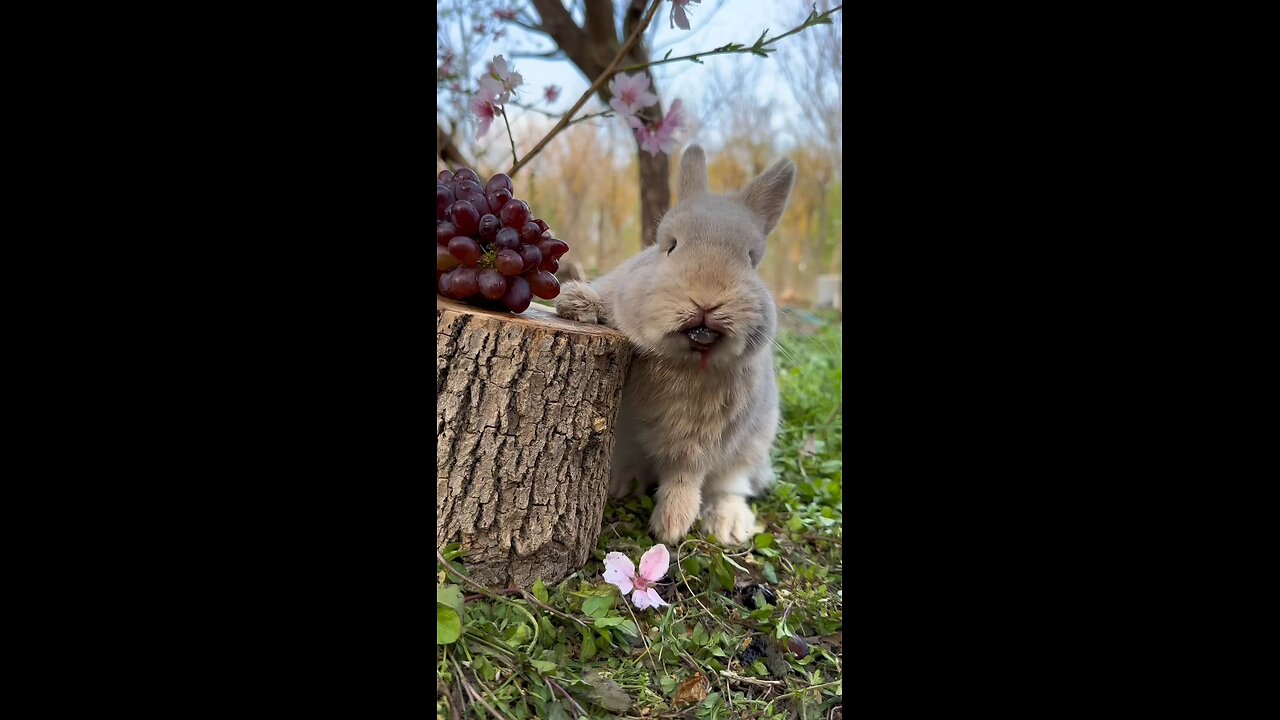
(578,301)
(729,518)
(674,511)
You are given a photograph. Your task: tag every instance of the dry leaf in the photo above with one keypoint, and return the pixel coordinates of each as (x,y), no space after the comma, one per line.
(693,690)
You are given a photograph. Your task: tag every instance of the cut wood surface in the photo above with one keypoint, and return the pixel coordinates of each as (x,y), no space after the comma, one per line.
(525,408)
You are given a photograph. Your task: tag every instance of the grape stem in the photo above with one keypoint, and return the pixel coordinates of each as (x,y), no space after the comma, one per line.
(604,77)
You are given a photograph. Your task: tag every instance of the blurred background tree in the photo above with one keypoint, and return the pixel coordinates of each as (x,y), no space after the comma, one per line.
(745,110)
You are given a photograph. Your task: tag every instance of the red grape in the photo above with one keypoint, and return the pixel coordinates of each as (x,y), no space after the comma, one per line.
(444,258)
(543,284)
(552,247)
(508,262)
(532,256)
(482,205)
(489,226)
(501,180)
(465,249)
(491,283)
(445,231)
(498,199)
(472,220)
(507,238)
(466,217)
(517,296)
(530,233)
(464,282)
(444,198)
(514,214)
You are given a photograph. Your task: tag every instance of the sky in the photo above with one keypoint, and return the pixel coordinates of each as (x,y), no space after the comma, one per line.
(713,23)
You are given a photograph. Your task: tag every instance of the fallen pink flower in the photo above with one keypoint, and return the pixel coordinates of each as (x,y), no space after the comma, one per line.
(619,571)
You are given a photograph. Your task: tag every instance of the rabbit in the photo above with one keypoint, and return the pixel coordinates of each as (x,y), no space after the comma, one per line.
(699,410)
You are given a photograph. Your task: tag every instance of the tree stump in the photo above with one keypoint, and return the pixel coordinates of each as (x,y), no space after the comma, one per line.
(525,410)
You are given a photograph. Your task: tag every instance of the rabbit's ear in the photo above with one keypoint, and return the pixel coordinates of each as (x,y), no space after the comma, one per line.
(766,196)
(693,172)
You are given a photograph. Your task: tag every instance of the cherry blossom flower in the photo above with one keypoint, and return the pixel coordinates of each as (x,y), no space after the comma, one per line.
(645,135)
(619,571)
(660,137)
(485,111)
(630,94)
(552,92)
(500,81)
(678,17)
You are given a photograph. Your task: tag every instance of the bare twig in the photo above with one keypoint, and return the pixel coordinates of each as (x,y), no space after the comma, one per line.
(556,686)
(503,591)
(472,692)
(535,601)
(750,680)
(648,650)
(761,47)
(510,137)
(797,692)
(485,591)
(599,81)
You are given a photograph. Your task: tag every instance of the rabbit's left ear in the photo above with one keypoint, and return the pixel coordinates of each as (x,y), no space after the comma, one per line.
(693,172)
(766,196)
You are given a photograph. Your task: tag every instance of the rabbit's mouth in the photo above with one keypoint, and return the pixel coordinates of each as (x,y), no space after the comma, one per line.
(703,338)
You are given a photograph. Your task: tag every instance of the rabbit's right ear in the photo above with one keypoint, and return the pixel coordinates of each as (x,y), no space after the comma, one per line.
(693,172)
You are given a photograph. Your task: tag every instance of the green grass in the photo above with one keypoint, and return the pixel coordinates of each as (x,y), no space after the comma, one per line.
(576,649)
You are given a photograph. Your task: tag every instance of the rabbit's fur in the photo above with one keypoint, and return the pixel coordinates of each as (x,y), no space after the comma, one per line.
(700,425)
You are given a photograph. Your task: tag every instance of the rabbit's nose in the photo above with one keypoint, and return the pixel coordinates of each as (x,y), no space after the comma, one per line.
(702,318)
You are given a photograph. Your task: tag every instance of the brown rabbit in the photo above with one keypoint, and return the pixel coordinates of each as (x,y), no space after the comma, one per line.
(700,408)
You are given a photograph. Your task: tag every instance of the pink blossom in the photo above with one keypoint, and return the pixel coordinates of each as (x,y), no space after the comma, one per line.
(500,81)
(660,137)
(645,135)
(485,111)
(619,571)
(630,94)
(509,14)
(552,92)
(678,17)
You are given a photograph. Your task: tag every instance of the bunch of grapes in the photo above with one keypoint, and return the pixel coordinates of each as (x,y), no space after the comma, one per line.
(489,249)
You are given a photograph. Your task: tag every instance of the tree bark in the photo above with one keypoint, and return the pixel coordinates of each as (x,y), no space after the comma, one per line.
(525,410)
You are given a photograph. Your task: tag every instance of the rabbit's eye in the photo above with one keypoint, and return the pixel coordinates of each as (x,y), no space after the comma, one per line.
(673,247)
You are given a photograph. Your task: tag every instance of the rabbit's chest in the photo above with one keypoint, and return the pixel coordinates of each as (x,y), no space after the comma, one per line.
(682,417)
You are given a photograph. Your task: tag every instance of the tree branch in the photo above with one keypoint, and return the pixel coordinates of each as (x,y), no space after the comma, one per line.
(447,150)
(599,82)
